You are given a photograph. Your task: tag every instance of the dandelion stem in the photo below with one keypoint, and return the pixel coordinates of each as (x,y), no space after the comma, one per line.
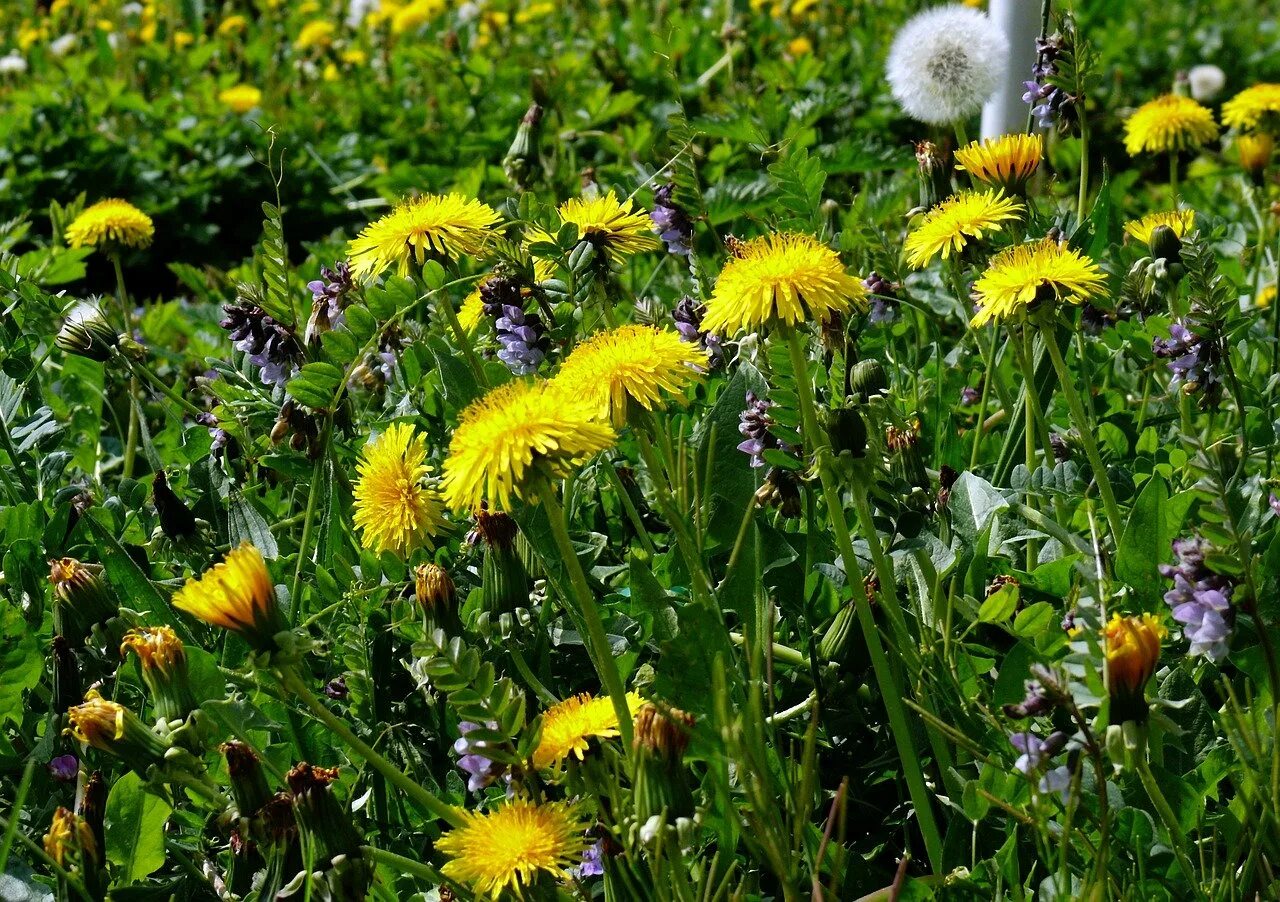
(141,369)
(404,865)
(1176,835)
(131,440)
(463,339)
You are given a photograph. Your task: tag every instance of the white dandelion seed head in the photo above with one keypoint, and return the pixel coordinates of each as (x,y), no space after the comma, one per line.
(13,63)
(946,62)
(1206,81)
(357,10)
(63,45)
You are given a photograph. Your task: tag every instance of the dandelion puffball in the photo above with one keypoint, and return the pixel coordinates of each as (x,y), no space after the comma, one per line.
(946,62)
(1206,81)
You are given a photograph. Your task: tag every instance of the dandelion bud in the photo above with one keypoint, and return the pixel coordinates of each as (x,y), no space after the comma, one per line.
(847,431)
(86,332)
(661,784)
(93,807)
(1165,244)
(115,729)
(1132,647)
(521,162)
(80,598)
(904,454)
(236,595)
(1255,154)
(504,581)
(67,688)
(433,587)
(70,843)
(935,174)
(868,379)
(343,871)
(163,662)
(176,520)
(249,787)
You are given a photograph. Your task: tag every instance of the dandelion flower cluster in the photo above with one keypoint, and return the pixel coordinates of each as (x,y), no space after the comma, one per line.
(394,510)
(110,224)
(1005,162)
(508,847)
(516,432)
(1021,275)
(1169,123)
(240,98)
(630,363)
(1248,109)
(236,595)
(947,228)
(611,225)
(1180,221)
(784,278)
(568,728)
(946,62)
(447,225)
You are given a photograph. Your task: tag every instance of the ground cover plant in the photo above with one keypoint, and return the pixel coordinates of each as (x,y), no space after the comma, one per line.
(640,451)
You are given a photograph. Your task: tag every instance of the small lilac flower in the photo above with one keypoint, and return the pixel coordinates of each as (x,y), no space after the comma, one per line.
(671,222)
(592,861)
(328,295)
(884,298)
(524,340)
(1275,504)
(336,688)
(1200,599)
(754,427)
(221,438)
(481,770)
(1036,751)
(1057,780)
(271,346)
(969,396)
(1192,359)
(65,768)
(688,315)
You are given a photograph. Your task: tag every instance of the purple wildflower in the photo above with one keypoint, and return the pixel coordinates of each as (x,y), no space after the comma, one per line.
(221,438)
(671,222)
(1201,599)
(884,298)
(65,768)
(524,340)
(969,396)
(327,299)
(754,427)
(336,688)
(688,315)
(1034,751)
(481,771)
(592,860)
(271,346)
(1275,504)
(1192,360)
(1049,104)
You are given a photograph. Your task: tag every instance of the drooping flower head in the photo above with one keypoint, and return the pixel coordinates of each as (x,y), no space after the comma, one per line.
(780,279)
(1180,221)
(568,728)
(611,225)
(1021,275)
(240,98)
(1171,122)
(70,840)
(630,363)
(945,63)
(1253,109)
(236,594)
(109,225)
(115,729)
(949,226)
(446,225)
(163,661)
(1005,162)
(1132,646)
(514,433)
(508,847)
(394,510)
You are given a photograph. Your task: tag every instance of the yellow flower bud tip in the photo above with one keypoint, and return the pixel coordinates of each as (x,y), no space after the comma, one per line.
(158,648)
(69,833)
(433,586)
(1133,650)
(97,721)
(666,731)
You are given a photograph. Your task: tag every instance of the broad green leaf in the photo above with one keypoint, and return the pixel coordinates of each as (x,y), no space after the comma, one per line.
(21,663)
(134,830)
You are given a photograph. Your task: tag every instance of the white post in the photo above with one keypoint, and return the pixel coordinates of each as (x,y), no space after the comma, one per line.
(1005,113)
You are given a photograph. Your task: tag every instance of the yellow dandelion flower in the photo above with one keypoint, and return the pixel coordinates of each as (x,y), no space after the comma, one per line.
(1180,221)
(69,837)
(516,432)
(111,224)
(1133,650)
(1266,297)
(1248,109)
(1254,152)
(534,11)
(630,363)
(1171,122)
(236,595)
(355,57)
(448,225)
(232,25)
(1006,162)
(394,511)
(471,313)
(316,34)
(240,98)
(183,39)
(611,225)
(158,649)
(569,727)
(798,47)
(1019,276)
(97,721)
(781,278)
(415,15)
(508,847)
(947,228)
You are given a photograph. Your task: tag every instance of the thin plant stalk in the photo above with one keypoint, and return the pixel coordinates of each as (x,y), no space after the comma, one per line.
(1170,820)
(131,439)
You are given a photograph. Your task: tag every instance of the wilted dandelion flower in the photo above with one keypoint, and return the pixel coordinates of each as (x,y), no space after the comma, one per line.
(784,278)
(1021,275)
(1132,646)
(70,836)
(447,225)
(945,62)
(630,363)
(1180,221)
(236,594)
(394,511)
(163,661)
(516,432)
(1005,162)
(318,33)
(113,728)
(947,228)
(1248,109)
(510,846)
(568,727)
(1169,123)
(110,224)
(240,98)
(611,225)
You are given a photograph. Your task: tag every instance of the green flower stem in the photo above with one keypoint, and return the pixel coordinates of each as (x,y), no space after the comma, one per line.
(684,541)
(597,641)
(140,369)
(890,693)
(131,440)
(1082,198)
(313,493)
(1085,429)
(201,786)
(1177,837)
(402,864)
(784,653)
(1173,177)
(292,684)
(628,506)
(464,340)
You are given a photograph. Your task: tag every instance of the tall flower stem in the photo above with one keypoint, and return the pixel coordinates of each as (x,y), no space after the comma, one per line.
(131,439)
(598,642)
(1177,837)
(1173,177)
(463,339)
(1082,198)
(1081,420)
(890,692)
(139,369)
(293,685)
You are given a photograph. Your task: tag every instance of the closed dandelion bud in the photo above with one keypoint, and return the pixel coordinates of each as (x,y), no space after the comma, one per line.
(236,595)
(868,379)
(249,787)
(93,807)
(521,162)
(1165,244)
(67,688)
(661,783)
(504,581)
(80,598)
(847,431)
(904,454)
(163,662)
(1132,646)
(436,594)
(86,332)
(831,646)
(115,729)
(343,871)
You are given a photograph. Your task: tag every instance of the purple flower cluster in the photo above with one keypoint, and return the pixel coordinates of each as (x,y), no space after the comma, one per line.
(592,860)
(1050,105)
(1192,360)
(524,339)
(1035,753)
(754,426)
(221,438)
(65,768)
(1200,598)
(271,346)
(884,299)
(671,222)
(688,315)
(481,771)
(328,294)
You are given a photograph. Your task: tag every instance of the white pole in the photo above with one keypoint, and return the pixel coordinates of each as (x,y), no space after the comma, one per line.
(1005,113)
